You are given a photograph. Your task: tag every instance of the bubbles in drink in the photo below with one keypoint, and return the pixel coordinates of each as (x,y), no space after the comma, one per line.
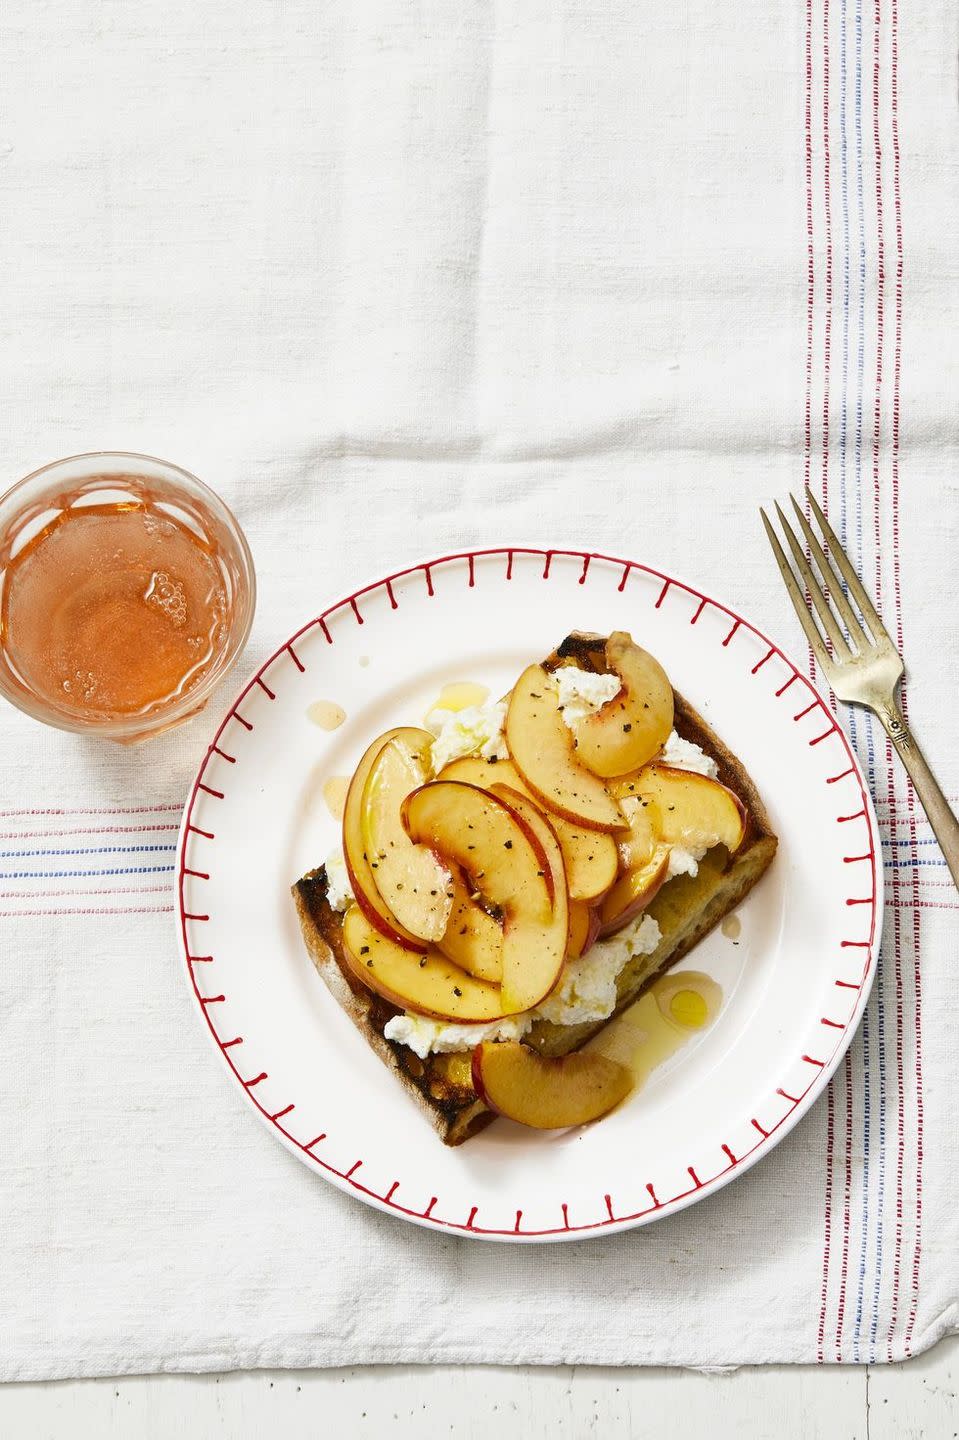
(167,595)
(156,525)
(82,684)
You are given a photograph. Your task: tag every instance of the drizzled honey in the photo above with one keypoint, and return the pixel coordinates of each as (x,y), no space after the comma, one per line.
(660,1022)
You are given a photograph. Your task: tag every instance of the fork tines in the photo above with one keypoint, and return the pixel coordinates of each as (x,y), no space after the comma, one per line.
(838,622)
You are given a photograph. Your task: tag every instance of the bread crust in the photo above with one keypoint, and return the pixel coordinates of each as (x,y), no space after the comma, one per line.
(687,908)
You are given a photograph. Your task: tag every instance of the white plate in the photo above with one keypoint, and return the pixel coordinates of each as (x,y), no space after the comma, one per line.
(794,986)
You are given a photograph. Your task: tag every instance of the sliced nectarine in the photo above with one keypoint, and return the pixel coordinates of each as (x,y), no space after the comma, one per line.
(533,958)
(414,886)
(632,727)
(474,770)
(477,831)
(588,855)
(472,939)
(541,747)
(583,928)
(427,984)
(505,857)
(358,865)
(636,844)
(690,810)
(547,1093)
(633,891)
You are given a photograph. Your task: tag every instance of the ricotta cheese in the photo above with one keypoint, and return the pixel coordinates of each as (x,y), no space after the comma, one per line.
(339,891)
(477,730)
(684,755)
(435,1037)
(587,990)
(683,862)
(583,692)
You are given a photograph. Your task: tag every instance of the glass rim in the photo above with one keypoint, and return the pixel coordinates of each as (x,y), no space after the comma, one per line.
(136,726)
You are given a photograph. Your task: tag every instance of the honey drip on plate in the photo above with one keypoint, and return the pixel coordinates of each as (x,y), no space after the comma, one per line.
(459,696)
(334,793)
(732,927)
(675,1008)
(326,714)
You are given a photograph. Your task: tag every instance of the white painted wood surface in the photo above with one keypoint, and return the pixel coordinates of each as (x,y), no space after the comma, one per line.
(915,1401)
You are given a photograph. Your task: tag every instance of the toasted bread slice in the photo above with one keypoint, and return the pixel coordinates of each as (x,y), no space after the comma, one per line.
(686,909)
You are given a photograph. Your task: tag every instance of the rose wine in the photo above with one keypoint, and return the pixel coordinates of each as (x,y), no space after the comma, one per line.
(114,602)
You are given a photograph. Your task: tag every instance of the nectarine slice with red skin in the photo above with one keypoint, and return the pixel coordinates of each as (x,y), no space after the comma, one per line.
(472,939)
(358,863)
(481,833)
(583,928)
(541,747)
(588,855)
(534,966)
(635,725)
(633,892)
(636,845)
(475,770)
(427,984)
(690,810)
(508,776)
(590,858)
(547,1093)
(411,881)
(504,857)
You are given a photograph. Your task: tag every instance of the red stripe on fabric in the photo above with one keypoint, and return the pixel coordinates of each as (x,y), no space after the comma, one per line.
(85,830)
(80,894)
(900,1106)
(810,257)
(846,1208)
(890,762)
(91,810)
(807,462)
(827,327)
(830,1137)
(917,1252)
(114,910)
(896,562)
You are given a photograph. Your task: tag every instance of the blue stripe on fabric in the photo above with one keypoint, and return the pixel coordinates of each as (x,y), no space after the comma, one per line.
(905,862)
(84,874)
(843,416)
(869,727)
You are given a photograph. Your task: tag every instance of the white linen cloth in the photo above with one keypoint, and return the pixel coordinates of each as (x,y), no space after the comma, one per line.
(401,276)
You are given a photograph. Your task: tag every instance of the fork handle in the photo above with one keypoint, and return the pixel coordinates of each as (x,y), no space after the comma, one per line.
(941,818)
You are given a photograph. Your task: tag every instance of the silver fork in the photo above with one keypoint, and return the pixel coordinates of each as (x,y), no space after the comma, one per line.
(860,662)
